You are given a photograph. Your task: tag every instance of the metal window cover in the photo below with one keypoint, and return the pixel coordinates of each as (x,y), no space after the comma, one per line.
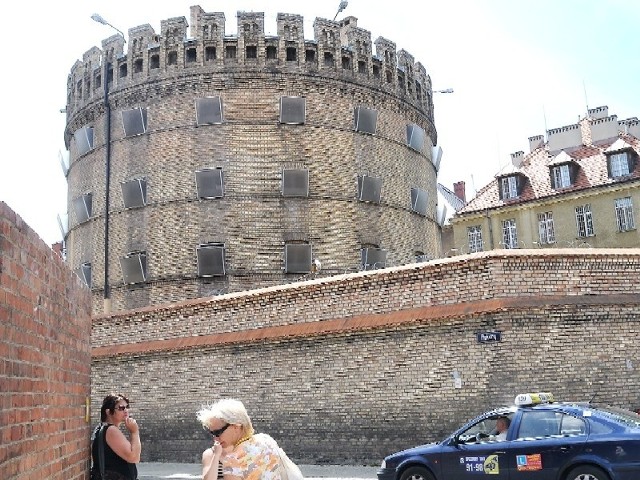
(369,188)
(366,120)
(295,182)
(210,257)
(134,121)
(134,193)
(419,200)
(209,111)
(84,272)
(82,207)
(84,140)
(292,110)
(415,137)
(210,183)
(297,258)
(134,268)
(373,258)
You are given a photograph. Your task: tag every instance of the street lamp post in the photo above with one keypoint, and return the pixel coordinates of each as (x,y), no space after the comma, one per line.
(107,170)
(341,7)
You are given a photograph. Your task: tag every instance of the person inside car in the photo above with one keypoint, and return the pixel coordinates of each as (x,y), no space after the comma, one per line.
(502,427)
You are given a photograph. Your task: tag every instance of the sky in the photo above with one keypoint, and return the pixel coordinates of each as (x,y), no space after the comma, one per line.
(517,68)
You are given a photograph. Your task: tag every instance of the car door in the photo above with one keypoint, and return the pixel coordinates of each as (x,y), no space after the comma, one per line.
(471,454)
(542,445)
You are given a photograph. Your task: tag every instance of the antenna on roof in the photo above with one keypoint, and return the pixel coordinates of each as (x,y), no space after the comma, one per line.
(586,101)
(544,115)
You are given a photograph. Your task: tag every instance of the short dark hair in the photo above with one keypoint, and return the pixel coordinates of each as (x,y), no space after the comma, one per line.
(507,420)
(109,403)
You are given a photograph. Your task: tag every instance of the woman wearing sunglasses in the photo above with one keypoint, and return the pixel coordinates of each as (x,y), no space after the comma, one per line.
(120,454)
(244,455)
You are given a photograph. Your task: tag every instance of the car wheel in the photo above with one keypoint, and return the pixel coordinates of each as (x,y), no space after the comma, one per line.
(416,473)
(587,472)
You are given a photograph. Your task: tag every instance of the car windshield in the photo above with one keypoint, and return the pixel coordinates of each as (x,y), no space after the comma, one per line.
(618,415)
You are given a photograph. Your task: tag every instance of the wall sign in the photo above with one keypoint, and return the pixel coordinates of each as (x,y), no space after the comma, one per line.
(489,337)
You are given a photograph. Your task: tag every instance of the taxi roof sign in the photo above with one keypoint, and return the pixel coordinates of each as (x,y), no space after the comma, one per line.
(533,398)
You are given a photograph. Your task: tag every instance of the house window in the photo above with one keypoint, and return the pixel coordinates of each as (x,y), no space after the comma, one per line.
(415,137)
(546,232)
(584,221)
(230,51)
(292,110)
(292,54)
(365,120)
(310,56)
(372,258)
(561,176)
(297,258)
(624,214)
(369,188)
(84,140)
(509,187)
(210,54)
(134,121)
(84,272)
(419,199)
(82,205)
(295,182)
(172,58)
(272,52)
(154,62)
(509,234)
(134,193)
(328,59)
(191,55)
(619,164)
(210,257)
(208,110)
(474,237)
(251,51)
(134,267)
(210,183)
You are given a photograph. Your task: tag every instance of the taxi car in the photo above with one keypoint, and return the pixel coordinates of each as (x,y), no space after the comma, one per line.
(546,440)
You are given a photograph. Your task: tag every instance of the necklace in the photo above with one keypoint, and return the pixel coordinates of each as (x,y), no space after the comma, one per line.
(243,439)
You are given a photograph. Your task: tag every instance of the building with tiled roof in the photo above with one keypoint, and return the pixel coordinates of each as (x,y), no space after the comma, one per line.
(577,189)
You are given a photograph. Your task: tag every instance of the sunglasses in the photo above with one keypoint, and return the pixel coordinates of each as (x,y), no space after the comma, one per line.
(122,408)
(220,431)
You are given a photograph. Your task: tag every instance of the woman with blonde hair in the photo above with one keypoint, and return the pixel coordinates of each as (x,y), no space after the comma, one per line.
(244,455)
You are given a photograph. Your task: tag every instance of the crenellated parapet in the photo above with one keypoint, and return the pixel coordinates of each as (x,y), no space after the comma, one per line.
(338,49)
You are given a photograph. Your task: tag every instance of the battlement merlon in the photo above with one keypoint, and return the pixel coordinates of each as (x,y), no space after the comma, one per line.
(332,39)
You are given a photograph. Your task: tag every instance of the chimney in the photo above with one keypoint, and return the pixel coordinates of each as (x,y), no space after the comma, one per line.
(58,248)
(459,191)
(598,112)
(517,158)
(630,126)
(536,142)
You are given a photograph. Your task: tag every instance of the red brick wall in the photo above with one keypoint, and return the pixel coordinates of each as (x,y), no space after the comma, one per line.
(45,359)
(350,368)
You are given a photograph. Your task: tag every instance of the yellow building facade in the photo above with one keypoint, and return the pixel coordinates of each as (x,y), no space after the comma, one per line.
(579,188)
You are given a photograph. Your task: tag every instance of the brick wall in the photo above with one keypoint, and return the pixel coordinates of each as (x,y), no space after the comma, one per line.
(350,368)
(45,359)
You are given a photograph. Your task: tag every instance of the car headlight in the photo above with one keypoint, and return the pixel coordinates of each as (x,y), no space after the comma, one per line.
(383,464)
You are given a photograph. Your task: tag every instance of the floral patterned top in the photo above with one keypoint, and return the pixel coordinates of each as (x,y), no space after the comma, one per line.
(257,458)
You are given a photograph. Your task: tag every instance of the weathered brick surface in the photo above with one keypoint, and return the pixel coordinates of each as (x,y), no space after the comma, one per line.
(45,359)
(350,368)
(253,220)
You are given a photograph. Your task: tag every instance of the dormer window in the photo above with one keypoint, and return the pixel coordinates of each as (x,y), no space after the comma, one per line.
(563,175)
(620,164)
(509,187)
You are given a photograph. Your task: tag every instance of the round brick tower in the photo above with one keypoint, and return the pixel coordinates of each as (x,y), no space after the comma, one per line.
(207,164)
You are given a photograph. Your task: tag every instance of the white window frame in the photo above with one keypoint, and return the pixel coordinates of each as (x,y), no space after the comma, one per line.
(474,238)
(546,230)
(624,214)
(584,221)
(509,233)
(619,164)
(509,186)
(561,176)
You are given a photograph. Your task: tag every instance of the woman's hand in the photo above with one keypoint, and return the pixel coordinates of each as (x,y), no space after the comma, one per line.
(131,425)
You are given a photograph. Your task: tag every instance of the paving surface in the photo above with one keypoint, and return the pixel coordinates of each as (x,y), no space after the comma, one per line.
(192,471)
